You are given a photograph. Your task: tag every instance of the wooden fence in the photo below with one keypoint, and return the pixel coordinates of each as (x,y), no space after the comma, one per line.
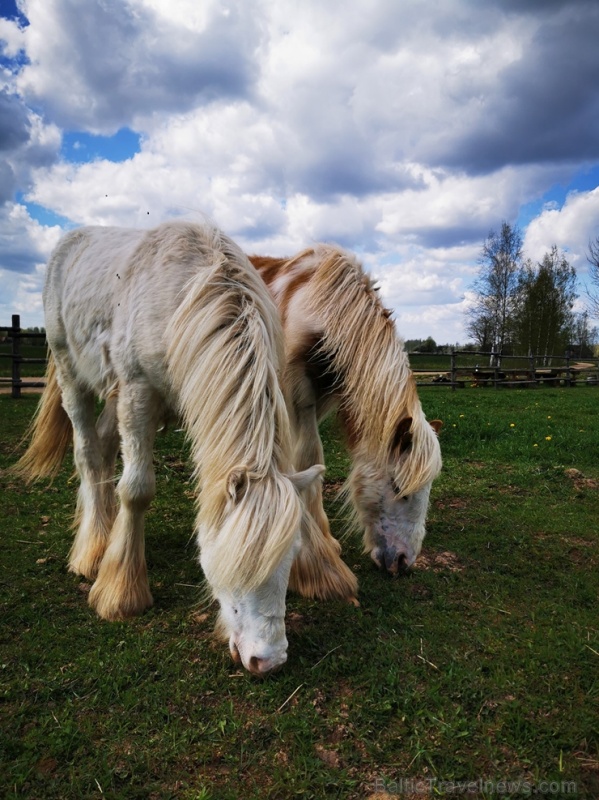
(457,369)
(468,368)
(15,337)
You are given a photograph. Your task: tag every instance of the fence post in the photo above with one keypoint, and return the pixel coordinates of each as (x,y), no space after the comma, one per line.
(496,363)
(568,373)
(16,356)
(453,371)
(533,376)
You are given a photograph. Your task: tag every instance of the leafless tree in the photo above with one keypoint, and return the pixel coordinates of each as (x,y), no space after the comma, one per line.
(593,291)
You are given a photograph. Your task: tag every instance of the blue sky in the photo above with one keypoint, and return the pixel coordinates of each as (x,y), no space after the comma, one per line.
(80,146)
(403,131)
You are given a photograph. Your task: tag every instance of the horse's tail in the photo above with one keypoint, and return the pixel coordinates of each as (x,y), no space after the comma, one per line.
(50,433)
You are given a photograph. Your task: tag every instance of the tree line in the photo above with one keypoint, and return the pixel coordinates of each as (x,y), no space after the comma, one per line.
(522,308)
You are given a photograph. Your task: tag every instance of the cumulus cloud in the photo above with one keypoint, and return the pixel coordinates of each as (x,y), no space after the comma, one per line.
(570,228)
(545,105)
(401,133)
(25,246)
(14,122)
(138,59)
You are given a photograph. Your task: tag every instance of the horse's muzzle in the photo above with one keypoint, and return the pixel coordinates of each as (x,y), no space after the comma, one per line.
(261,667)
(390,559)
(264,666)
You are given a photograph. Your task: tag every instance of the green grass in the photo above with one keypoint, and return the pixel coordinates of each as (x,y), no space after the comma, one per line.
(482,664)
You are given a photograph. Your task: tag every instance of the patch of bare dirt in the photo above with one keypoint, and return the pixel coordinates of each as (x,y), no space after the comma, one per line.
(456,503)
(6,388)
(580,481)
(331,489)
(437,562)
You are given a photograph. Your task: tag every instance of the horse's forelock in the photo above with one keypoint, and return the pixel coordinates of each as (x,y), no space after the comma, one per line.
(250,534)
(420,463)
(226,335)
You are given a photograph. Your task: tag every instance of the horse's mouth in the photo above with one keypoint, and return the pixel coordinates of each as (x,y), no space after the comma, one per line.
(234,650)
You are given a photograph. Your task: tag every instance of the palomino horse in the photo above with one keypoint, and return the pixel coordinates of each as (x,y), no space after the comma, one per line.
(173,321)
(342,350)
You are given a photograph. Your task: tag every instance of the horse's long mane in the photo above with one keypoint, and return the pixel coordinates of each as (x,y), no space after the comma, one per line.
(376,385)
(224,349)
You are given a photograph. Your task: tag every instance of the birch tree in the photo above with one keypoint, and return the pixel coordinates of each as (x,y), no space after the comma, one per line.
(593,291)
(496,287)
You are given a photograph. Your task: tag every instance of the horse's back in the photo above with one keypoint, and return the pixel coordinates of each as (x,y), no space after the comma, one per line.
(81,302)
(110,293)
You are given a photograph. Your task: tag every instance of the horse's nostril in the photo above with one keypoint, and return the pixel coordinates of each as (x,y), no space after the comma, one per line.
(263,666)
(395,562)
(259,666)
(378,557)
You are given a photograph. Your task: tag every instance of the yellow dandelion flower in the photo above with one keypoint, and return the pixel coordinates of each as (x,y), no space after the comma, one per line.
(548,438)
(512,424)
(461,416)
(535,445)
(549,417)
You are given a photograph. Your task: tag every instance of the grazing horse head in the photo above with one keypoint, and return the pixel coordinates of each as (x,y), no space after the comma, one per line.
(226,376)
(343,352)
(249,574)
(391,500)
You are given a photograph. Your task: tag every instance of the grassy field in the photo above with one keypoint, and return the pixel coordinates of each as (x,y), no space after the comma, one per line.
(482,665)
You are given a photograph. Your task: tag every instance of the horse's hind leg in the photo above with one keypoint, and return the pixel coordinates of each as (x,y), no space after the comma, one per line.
(108,435)
(95,509)
(121,588)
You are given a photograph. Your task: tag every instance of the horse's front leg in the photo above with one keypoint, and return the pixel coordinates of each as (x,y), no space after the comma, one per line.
(318,570)
(121,588)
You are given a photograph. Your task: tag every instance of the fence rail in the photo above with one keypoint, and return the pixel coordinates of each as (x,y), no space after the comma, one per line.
(15,336)
(463,367)
(455,369)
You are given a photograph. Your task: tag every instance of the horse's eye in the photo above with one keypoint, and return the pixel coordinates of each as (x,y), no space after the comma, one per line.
(397,492)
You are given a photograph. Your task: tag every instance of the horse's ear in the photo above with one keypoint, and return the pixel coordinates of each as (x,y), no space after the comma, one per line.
(436,425)
(304,479)
(402,440)
(237,483)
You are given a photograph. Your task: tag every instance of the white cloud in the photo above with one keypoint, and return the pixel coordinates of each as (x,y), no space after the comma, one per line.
(25,246)
(403,133)
(570,228)
(137,59)
(12,39)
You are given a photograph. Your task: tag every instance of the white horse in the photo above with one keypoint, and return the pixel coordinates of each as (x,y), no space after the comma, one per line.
(342,351)
(172,321)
